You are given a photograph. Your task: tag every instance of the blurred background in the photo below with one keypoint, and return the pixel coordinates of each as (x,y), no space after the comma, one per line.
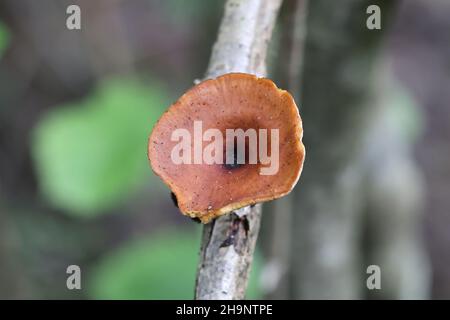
(77,106)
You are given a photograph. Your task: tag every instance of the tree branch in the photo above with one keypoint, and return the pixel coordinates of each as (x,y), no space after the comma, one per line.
(241,46)
(339,60)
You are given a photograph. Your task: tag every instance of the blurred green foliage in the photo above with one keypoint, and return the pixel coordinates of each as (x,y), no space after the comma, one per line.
(90,155)
(405,113)
(4,38)
(182,12)
(162,266)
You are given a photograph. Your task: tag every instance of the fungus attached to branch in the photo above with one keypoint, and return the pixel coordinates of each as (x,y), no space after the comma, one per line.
(211,174)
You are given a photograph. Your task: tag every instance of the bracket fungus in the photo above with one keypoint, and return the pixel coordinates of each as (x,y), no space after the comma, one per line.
(194,146)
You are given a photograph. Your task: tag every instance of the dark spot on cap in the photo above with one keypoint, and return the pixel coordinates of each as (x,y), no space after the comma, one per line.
(174,199)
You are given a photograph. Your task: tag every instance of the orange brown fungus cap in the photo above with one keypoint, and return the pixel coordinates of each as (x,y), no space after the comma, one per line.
(231,101)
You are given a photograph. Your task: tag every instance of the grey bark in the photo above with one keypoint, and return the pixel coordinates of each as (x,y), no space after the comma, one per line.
(241,46)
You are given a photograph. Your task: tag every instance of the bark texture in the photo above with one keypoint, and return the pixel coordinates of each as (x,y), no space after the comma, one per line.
(228,242)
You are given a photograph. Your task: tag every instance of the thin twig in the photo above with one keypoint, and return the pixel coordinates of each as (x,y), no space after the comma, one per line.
(241,46)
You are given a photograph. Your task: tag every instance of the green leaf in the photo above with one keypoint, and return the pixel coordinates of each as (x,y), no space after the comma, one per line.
(90,156)
(4,38)
(159,267)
